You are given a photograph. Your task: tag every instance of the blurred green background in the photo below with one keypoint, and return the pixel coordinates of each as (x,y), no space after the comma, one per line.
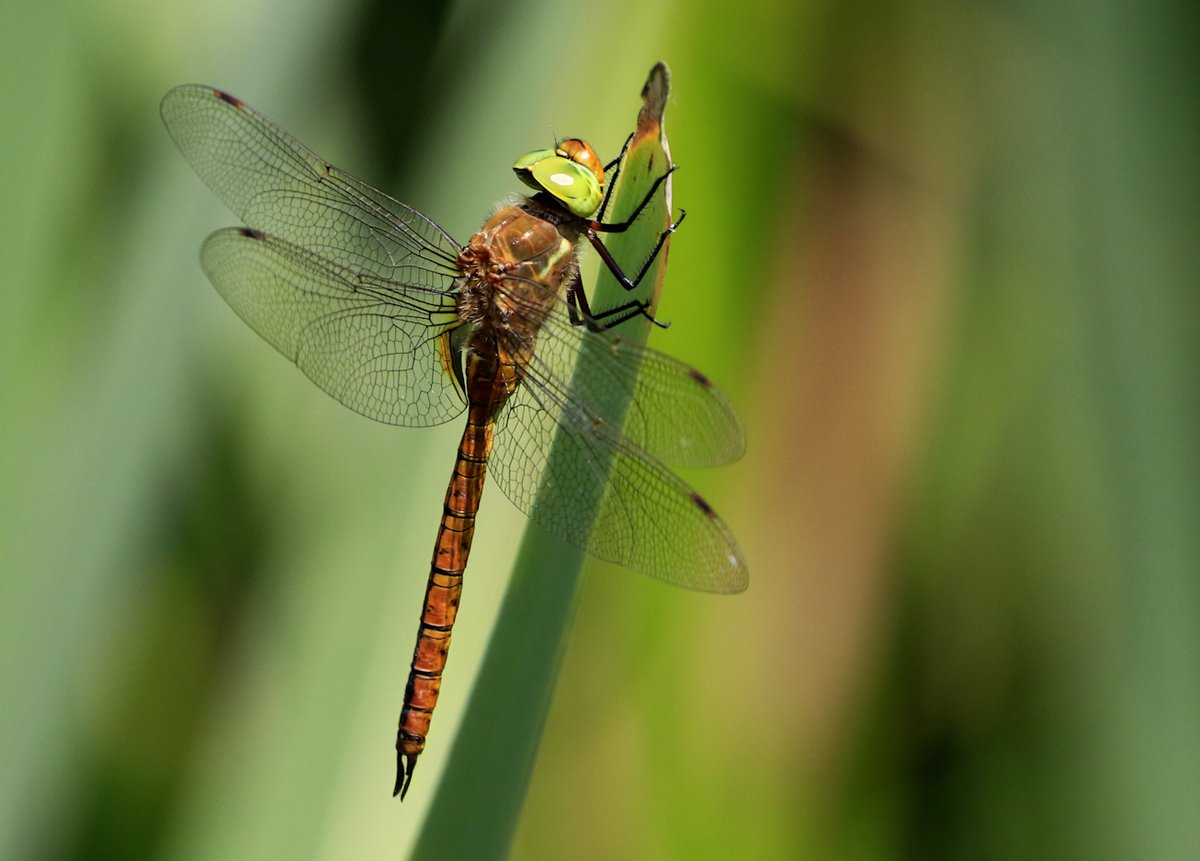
(943,258)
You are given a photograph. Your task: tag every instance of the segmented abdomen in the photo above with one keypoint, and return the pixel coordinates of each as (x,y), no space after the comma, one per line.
(443,590)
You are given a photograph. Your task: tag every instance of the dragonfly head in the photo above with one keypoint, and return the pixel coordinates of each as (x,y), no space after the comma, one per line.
(571,173)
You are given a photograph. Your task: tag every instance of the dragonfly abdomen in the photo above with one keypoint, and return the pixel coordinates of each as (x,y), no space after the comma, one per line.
(444,587)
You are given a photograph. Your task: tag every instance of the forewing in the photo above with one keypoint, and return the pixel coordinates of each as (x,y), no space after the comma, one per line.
(664,406)
(277,185)
(376,346)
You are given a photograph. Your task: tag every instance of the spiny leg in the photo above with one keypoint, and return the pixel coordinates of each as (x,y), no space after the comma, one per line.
(615,268)
(615,167)
(578,308)
(621,226)
(580,314)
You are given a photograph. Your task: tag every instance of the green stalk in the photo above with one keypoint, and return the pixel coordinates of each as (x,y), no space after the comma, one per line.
(476,808)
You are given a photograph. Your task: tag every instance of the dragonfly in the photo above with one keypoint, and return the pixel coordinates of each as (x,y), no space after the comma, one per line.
(387,313)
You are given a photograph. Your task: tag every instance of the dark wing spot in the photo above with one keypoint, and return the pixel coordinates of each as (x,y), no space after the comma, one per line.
(225,97)
(702,504)
(250,233)
(700,378)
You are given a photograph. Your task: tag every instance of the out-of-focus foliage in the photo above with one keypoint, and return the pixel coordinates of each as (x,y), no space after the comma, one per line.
(942,256)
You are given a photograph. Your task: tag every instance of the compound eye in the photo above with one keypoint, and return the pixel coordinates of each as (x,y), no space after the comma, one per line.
(567,180)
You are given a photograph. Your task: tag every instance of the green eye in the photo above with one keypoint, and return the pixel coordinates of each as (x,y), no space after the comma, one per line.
(568,181)
(527,161)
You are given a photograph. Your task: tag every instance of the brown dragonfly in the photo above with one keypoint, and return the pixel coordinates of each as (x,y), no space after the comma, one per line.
(382,309)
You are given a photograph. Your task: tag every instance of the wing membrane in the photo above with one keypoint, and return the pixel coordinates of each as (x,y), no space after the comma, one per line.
(675,413)
(646,517)
(664,406)
(375,346)
(277,185)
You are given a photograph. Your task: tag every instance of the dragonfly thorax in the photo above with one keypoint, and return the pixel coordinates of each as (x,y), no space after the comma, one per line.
(514,270)
(515,266)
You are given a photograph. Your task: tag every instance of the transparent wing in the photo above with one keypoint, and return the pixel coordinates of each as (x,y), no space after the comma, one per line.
(646,517)
(673,411)
(377,346)
(277,185)
(359,290)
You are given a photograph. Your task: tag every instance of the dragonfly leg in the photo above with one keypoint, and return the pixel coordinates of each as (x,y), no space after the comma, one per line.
(621,226)
(616,162)
(580,314)
(611,181)
(615,268)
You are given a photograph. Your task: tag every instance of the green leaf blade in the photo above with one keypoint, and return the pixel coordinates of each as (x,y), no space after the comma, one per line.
(489,768)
